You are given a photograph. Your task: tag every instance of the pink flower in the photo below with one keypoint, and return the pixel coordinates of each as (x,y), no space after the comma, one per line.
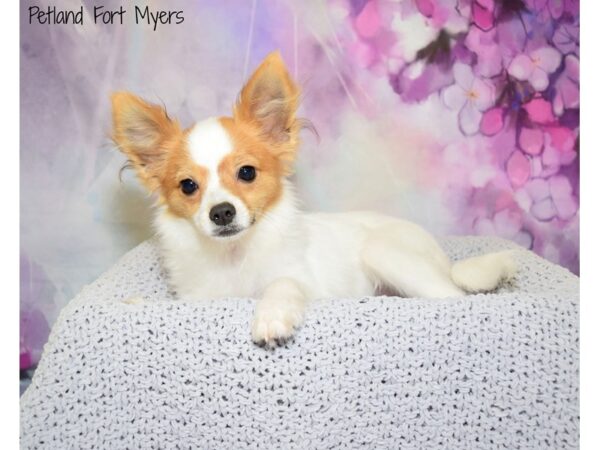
(518,168)
(567,87)
(483,13)
(539,111)
(425,7)
(368,22)
(25,359)
(562,138)
(551,148)
(492,121)
(535,67)
(531,140)
(363,53)
(470,95)
(558,150)
(553,158)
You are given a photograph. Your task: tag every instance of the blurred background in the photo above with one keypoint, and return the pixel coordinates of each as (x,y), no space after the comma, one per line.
(461,115)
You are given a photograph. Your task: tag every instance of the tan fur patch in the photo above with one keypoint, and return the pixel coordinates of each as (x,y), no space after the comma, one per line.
(268,102)
(156,147)
(179,167)
(250,150)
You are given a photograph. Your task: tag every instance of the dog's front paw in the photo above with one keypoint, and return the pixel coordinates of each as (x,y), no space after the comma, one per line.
(275,322)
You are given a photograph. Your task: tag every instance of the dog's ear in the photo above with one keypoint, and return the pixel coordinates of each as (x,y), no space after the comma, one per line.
(145,134)
(269,101)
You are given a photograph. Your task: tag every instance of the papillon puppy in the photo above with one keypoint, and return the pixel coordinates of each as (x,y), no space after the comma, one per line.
(229,224)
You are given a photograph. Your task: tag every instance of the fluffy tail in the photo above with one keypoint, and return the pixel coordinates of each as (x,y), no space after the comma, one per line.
(484,273)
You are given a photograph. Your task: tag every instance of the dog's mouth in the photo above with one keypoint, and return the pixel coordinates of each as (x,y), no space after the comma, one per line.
(231,230)
(227,231)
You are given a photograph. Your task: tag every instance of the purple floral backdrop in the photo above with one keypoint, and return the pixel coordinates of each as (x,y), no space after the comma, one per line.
(462,115)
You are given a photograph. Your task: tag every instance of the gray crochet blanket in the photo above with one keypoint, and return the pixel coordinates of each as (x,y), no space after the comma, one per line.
(478,372)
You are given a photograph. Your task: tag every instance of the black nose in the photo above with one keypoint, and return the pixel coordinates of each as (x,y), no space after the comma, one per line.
(222,214)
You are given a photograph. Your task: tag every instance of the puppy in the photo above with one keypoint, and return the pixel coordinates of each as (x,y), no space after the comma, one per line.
(229,225)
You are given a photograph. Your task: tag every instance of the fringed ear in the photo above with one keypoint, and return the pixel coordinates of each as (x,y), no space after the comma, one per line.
(269,101)
(143,131)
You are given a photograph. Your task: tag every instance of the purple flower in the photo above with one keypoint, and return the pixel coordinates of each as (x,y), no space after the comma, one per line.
(470,95)
(561,192)
(566,38)
(489,53)
(512,38)
(535,67)
(509,70)
(443,14)
(553,9)
(417,81)
(548,198)
(567,87)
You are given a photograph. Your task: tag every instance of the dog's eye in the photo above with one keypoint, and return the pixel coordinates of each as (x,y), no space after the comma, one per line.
(188,186)
(247,173)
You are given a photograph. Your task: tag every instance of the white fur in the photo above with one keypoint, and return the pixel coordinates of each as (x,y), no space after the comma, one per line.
(289,257)
(483,273)
(209,143)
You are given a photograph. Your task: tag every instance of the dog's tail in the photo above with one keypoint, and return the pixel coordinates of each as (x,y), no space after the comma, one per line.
(484,273)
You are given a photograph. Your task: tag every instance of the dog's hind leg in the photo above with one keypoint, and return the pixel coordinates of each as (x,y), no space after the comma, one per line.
(410,263)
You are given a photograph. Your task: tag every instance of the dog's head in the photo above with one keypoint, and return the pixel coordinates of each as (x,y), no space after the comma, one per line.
(224,174)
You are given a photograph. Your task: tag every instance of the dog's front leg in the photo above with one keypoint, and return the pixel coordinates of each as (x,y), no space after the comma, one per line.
(278,312)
